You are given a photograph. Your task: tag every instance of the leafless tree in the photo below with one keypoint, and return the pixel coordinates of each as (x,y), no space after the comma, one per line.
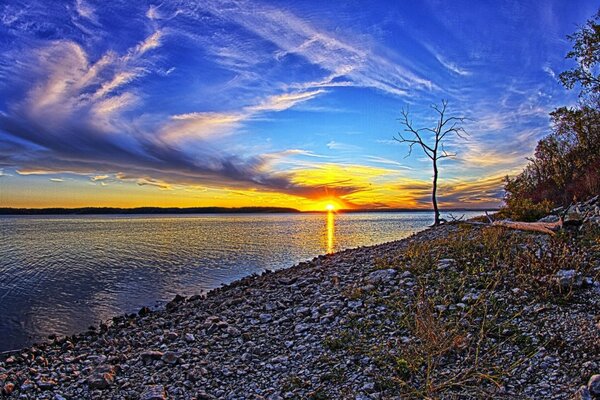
(431,141)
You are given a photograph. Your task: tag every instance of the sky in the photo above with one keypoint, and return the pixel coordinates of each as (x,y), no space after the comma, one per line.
(272,103)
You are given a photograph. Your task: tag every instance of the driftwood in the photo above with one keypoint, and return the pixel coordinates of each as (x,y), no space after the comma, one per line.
(542,227)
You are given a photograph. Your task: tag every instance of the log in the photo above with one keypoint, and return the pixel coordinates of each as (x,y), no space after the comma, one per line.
(543,227)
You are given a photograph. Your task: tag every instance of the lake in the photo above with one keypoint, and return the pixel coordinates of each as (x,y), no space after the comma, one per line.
(61,274)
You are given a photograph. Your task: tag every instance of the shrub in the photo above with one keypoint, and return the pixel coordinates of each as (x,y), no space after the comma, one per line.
(524,209)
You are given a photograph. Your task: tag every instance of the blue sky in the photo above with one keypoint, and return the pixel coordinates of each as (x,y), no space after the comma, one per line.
(271,103)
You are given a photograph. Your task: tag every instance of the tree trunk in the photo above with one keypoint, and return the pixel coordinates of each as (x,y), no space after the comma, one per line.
(436,212)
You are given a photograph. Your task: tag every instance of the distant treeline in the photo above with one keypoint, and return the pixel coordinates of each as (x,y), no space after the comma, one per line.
(197,210)
(145,210)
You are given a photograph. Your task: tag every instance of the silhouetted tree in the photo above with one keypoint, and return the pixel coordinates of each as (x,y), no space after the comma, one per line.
(431,141)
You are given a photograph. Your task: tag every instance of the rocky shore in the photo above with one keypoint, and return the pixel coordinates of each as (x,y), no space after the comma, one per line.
(455,312)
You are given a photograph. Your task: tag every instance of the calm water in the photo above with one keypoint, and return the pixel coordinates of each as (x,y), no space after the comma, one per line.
(60,274)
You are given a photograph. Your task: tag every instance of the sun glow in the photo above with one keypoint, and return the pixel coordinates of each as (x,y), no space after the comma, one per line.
(330,207)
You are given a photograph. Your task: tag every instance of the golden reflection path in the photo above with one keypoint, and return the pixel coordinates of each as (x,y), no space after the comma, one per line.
(330,231)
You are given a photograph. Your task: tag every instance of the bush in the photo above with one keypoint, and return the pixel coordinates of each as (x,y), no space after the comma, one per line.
(525,209)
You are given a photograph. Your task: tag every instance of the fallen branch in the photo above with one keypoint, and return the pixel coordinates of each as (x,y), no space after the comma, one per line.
(543,227)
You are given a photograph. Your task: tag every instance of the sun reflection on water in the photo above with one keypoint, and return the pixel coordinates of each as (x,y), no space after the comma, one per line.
(330,231)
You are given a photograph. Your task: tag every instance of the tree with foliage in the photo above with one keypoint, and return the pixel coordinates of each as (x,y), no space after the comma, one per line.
(586,53)
(566,163)
(431,142)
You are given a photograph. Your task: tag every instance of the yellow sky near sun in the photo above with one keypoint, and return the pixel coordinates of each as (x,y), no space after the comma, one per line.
(341,185)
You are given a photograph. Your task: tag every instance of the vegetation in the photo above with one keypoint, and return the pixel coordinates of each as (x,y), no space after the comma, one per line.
(566,163)
(434,148)
(461,330)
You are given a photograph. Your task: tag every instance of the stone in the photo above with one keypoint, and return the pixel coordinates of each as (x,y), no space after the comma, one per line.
(8,388)
(381,276)
(154,392)
(265,318)
(102,378)
(151,355)
(300,328)
(46,384)
(582,394)
(354,304)
(190,338)
(568,278)
(594,385)
(233,331)
(170,357)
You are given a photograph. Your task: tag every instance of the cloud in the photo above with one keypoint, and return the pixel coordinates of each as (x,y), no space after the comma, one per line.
(333,145)
(486,192)
(205,125)
(58,180)
(453,67)
(348,64)
(98,178)
(547,69)
(85,10)
(386,161)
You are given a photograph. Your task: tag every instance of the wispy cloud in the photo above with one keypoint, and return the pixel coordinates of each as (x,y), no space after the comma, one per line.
(360,66)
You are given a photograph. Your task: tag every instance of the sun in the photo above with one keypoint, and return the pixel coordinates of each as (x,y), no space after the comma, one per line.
(330,207)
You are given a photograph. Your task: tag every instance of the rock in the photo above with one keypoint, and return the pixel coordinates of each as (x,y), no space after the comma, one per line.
(445,263)
(381,276)
(265,318)
(582,394)
(8,388)
(170,357)
(233,331)
(549,218)
(300,328)
(102,378)
(354,304)
(190,338)
(470,297)
(144,311)
(154,392)
(151,355)
(26,386)
(46,384)
(568,278)
(594,385)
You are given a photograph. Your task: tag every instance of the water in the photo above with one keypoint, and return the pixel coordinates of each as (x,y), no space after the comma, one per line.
(61,274)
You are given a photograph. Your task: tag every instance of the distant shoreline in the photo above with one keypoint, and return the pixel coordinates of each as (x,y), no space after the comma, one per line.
(203,210)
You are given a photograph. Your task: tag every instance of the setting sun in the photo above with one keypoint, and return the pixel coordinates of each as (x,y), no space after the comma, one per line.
(330,207)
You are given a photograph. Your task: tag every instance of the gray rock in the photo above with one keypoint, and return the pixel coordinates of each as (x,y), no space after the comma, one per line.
(381,276)
(594,385)
(355,304)
(102,378)
(265,318)
(582,394)
(170,357)
(567,278)
(300,328)
(153,392)
(151,355)
(190,338)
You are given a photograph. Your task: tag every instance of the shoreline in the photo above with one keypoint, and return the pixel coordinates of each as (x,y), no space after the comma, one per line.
(316,329)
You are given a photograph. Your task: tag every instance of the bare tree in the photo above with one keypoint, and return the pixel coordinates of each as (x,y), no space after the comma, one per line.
(431,141)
